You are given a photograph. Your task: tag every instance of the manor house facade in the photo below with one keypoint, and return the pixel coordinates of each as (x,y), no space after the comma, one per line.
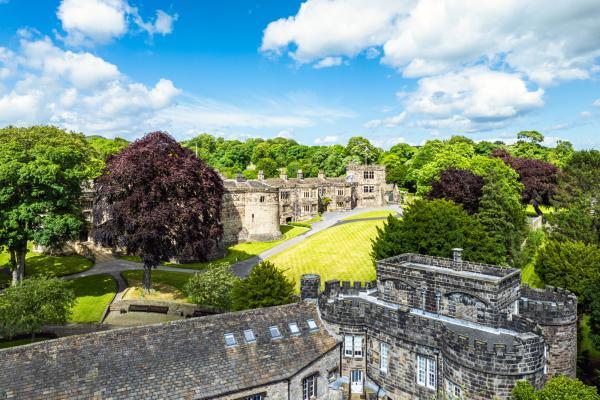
(254,209)
(427,328)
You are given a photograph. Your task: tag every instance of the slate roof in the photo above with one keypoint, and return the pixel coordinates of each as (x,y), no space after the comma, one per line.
(185,359)
(293,182)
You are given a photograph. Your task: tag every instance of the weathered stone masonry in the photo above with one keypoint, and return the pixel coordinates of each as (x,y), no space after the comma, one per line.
(480,330)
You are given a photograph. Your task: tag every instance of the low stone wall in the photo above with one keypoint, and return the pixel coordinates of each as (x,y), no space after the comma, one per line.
(174,308)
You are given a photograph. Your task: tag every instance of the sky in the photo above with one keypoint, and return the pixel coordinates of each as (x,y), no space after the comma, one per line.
(317,71)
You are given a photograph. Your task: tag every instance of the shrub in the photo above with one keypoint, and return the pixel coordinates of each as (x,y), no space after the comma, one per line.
(212,288)
(265,286)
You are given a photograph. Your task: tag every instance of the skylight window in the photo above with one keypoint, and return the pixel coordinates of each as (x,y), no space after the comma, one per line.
(312,325)
(275,334)
(229,339)
(249,336)
(294,328)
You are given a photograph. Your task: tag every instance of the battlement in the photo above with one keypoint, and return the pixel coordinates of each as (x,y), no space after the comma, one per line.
(457,265)
(333,287)
(551,306)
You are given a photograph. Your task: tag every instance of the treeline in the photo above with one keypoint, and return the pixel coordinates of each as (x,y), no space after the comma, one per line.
(410,167)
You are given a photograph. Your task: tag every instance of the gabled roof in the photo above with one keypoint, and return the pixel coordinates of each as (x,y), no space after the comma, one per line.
(180,359)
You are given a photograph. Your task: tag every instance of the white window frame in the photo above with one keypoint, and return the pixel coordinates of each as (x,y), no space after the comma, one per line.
(230,339)
(294,328)
(309,387)
(453,391)
(353,346)
(384,357)
(312,325)
(275,332)
(426,371)
(249,336)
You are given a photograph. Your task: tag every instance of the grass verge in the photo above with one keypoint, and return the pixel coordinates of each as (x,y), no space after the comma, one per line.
(370,214)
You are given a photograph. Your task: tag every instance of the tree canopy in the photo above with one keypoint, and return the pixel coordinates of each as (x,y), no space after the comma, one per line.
(266,286)
(212,287)
(557,388)
(459,185)
(158,200)
(434,228)
(42,169)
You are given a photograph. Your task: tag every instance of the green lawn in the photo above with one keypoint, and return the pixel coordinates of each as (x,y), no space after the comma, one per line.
(174,279)
(42,264)
(93,294)
(341,252)
(529,276)
(371,214)
(530,211)
(238,252)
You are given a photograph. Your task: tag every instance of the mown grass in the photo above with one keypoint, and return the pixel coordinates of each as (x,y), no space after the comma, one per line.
(166,285)
(93,294)
(238,252)
(341,252)
(38,264)
(530,211)
(370,214)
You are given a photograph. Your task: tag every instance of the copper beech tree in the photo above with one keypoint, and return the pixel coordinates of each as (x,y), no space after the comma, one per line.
(157,200)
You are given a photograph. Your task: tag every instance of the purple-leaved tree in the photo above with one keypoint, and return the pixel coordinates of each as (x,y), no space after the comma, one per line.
(157,200)
(459,185)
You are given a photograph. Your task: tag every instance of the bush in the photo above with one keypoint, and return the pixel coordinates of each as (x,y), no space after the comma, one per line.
(33,303)
(212,288)
(557,388)
(265,286)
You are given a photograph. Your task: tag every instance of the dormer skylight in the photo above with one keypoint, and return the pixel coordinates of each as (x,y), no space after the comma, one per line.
(230,339)
(312,325)
(294,328)
(249,336)
(274,330)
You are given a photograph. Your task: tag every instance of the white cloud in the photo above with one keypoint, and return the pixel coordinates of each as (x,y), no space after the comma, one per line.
(428,37)
(328,62)
(390,122)
(473,97)
(76,90)
(585,114)
(286,134)
(596,103)
(89,21)
(326,139)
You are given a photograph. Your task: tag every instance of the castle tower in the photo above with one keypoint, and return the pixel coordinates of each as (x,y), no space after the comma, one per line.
(555,311)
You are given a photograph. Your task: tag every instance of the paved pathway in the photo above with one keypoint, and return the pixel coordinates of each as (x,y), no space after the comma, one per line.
(106,264)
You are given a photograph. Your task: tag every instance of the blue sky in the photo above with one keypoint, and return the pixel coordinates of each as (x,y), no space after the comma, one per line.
(318,71)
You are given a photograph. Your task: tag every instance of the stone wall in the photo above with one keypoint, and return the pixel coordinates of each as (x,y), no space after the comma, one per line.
(361,174)
(326,368)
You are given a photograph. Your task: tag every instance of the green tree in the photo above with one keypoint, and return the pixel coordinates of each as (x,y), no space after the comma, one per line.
(41,173)
(213,287)
(502,215)
(574,266)
(435,228)
(557,388)
(33,303)
(268,166)
(592,294)
(530,136)
(362,150)
(266,286)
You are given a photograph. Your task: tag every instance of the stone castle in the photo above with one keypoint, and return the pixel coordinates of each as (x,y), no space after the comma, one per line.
(428,328)
(254,209)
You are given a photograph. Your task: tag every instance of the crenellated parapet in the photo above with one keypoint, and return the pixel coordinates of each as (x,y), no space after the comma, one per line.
(550,306)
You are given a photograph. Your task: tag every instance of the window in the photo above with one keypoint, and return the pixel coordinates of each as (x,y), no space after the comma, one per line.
(321,192)
(340,204)
(258,396)
(262,199)
(353,346)
(249,336)
(545,359)
(368,189)
(453,390)
(306,194)
(309,387)
(340,192)
(306,208)
(369,174)
(426,372)
(229,339)
(285,195)
(275,334)
(384,350)
(294,328)
(312,325)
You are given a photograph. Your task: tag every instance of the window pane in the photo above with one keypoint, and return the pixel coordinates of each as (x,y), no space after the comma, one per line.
(312,325)
(229,339)
(249,335)
(431,373)
(274,332)
(358,346)
(294,328)
(348,350)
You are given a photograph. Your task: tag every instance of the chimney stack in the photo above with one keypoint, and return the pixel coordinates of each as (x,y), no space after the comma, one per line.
(322,174)
(310,285)
(457,256)
(261,175)
(300,174)
(283,174)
